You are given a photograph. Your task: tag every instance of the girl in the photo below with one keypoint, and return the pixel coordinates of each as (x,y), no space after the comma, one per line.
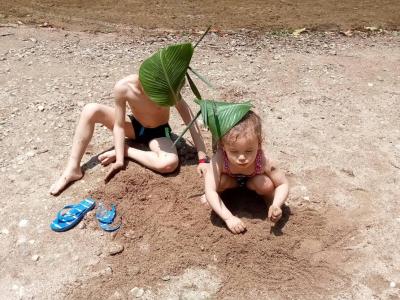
(240,161)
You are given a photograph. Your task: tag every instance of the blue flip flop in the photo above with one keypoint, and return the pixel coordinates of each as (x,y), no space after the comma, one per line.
(106,217)
(72,217)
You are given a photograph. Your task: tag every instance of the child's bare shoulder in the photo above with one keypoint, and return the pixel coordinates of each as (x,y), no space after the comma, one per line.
(268,162)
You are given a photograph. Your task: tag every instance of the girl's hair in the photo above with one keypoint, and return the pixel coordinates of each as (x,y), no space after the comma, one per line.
(249,125)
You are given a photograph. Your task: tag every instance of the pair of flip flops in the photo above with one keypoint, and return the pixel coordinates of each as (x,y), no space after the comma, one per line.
(76,212)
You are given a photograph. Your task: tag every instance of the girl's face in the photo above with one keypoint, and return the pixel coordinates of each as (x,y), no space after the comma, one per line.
(243,151)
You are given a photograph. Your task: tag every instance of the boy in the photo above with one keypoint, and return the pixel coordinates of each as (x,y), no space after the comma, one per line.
(148,124)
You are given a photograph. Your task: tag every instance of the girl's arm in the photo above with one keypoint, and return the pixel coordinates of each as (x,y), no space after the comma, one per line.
(281,192)
(212,181)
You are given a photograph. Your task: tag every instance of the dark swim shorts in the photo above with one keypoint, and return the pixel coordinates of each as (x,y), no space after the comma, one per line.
(145,135)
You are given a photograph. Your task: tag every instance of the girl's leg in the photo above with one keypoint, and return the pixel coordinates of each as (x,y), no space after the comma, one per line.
(91,114)
(226,182)
(262,185)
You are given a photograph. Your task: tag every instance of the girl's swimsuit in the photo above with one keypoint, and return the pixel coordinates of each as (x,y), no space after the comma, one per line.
(241,179)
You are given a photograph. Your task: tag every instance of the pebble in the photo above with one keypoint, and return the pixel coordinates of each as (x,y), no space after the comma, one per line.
(4,231)
(23,223)
(107,271)
(133,270)
(166,278)
(115,249)
(137,292)
(392,284)
(40,108)
(35,257)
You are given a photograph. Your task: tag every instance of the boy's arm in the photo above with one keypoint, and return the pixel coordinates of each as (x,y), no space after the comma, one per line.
(119,137)
(187,116)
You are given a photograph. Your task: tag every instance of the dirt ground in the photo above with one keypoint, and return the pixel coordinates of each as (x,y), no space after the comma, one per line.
(330,106)
(106,15)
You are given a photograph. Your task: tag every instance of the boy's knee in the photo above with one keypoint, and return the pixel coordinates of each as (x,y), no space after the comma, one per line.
(168,166)
(89,110)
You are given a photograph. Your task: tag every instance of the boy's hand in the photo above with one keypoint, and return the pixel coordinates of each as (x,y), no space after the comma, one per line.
(235,225)
(114,169)
(274,213)
(202,169)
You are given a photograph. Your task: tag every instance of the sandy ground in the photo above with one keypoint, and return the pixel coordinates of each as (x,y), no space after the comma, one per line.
(262,15)
(330,108)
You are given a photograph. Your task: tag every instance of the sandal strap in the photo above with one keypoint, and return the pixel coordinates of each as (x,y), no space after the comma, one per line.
(66,217)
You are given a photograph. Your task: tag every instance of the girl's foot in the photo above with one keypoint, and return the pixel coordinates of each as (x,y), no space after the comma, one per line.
(65,179)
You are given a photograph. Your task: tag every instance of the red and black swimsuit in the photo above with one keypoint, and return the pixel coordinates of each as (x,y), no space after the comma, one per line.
(241,179)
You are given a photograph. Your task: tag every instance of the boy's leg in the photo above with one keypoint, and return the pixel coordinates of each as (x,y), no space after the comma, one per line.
(91,114)
(162,156)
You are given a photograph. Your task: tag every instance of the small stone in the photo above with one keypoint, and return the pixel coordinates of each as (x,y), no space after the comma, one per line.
(35,257)
(115,249)
(30,154)
(306,198)
(4,231)
(107,271)
(40,107)
(82,225)
(23,223)
(370,84)
(392,284)
(166,278)
(137,292)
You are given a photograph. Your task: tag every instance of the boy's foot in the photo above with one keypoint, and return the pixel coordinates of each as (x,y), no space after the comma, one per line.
(62,182)
(107,157)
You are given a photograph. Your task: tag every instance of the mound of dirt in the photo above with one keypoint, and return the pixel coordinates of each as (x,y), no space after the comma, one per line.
(166,230)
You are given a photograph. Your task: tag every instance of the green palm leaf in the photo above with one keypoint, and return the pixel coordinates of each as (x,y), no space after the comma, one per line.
(162,75)
(220,117)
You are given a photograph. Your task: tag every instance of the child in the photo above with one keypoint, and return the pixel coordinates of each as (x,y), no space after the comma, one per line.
(240,161)
(148,123)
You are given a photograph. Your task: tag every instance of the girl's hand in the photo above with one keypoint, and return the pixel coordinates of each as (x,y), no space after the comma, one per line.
(274,213)
(235,225)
